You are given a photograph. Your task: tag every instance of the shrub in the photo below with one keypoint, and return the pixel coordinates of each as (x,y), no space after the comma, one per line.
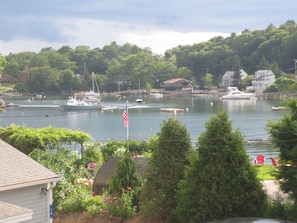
(93,205)
(72,202)
(119,208)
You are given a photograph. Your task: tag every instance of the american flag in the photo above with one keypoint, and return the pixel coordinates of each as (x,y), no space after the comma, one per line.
(125,117)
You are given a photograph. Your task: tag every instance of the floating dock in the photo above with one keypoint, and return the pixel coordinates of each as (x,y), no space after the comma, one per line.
(174,110)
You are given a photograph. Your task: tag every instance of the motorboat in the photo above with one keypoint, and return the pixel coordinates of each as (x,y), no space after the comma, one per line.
(139,101)
(73,104)
(279,108)
(234,94)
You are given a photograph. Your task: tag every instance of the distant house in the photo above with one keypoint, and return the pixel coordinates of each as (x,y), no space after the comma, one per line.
(25,188)
(176,84)
(108,169)
(228,77)
(262,79)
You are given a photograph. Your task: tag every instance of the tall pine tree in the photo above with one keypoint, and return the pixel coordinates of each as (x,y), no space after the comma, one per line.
(220,181)
(166,169)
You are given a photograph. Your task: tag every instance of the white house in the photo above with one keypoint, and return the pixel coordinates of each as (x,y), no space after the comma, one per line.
(25,188)
(228,77)
(262,79)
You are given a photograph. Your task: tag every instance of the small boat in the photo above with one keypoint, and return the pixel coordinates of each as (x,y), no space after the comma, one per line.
(72,104)
(139,101)
(279,108)
(11,105)
(235,94)
(174,110)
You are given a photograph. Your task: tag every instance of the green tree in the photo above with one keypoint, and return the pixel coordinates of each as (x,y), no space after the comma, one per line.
(169,159)
(2,64)
(220,181)
(126,176)
(283,135)
(208,80)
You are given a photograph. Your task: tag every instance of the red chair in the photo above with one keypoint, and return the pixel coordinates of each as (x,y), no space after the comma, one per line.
(274,163)
(260,160)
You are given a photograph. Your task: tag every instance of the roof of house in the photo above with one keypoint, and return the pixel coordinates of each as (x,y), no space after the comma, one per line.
(18,170)
(13,213)
(174,80)
(229,73)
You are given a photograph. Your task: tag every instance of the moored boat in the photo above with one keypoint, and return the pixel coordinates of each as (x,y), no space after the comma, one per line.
(235,94)
(279,108)
(73,104)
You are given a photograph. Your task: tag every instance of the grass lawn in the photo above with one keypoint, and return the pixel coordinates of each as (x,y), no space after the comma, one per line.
(265,172)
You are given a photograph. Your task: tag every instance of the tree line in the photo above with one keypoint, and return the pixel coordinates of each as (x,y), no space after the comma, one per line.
(122,67)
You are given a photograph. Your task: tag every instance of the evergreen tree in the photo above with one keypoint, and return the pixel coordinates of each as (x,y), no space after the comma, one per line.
(166,169)
(126,175)
(220,181)
(283,134)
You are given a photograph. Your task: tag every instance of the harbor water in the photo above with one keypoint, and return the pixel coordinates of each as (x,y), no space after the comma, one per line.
(145,120)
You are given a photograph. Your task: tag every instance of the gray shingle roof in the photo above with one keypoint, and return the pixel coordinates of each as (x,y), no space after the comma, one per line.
(18,170)
(13,213)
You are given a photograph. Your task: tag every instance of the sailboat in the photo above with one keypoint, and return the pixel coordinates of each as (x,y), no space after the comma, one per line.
(139,100)
(92,95)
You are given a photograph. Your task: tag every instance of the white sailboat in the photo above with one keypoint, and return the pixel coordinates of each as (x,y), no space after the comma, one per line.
(93,95)
(139,100)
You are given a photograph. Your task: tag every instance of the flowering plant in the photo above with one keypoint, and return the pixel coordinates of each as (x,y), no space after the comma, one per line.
(120,207)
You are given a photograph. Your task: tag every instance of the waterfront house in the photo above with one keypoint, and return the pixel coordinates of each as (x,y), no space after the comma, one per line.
(228,77)
(262,79)
(176,84)
(25,188)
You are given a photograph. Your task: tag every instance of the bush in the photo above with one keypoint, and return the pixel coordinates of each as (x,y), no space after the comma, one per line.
(93,205)
(72,202)
(119,208)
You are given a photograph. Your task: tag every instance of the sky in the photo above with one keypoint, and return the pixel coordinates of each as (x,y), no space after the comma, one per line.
(30,25)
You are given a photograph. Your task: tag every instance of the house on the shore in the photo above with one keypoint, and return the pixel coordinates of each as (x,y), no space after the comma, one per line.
(262,79)
(228,77)
(176,84)
(26,188)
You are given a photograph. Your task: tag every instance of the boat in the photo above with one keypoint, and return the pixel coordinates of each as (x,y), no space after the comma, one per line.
(235,94)
(139,100)
(73,104)
(279,108)
(92,95)
(11,105)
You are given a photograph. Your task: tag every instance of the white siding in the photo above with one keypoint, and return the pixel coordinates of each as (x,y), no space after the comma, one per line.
(31,198)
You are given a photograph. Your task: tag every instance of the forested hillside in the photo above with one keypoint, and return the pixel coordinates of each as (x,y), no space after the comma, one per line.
(125,66)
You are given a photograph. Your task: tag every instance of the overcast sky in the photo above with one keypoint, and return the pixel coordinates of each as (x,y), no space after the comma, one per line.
(30,25)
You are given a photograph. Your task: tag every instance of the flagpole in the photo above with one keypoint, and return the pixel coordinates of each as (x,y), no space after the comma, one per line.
(128,121)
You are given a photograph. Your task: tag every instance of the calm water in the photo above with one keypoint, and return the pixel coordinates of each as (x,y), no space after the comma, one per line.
(145,120)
